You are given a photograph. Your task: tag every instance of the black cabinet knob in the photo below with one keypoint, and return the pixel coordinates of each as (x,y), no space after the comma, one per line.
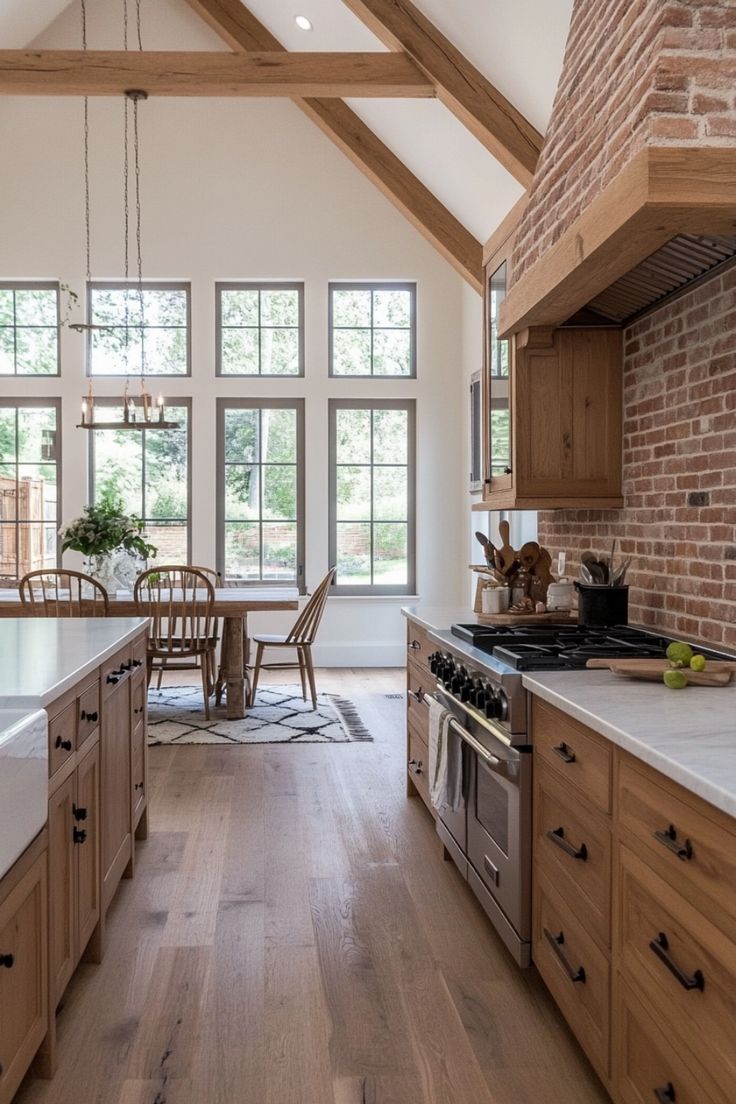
(7,960)
(84,716)
(137,662)
(79,813)
(65,744)
(112,679)
(79,835)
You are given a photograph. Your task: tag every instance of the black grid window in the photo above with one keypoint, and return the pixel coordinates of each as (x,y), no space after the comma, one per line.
(373,330)
(260,531)
(149,472)
(138,330)
(30,485)
(29,329)
(260,329)
(372,495)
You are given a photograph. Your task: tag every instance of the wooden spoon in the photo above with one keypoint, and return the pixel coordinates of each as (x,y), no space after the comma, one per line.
(529,554)
(506,552)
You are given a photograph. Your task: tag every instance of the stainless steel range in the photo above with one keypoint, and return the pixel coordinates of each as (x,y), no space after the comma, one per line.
(479,680)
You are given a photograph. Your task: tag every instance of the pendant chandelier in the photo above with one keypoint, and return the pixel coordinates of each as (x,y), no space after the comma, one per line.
(145,415)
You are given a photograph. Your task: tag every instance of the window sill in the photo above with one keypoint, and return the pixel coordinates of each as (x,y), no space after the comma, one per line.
(400,598)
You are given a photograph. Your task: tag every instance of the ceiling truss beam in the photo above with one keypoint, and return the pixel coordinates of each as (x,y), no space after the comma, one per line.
(186,73)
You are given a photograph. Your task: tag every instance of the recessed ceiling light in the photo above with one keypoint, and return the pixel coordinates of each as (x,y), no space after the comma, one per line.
(303,23)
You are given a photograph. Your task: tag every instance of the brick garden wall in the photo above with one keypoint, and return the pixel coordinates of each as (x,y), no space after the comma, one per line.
(635,73)
(679,474)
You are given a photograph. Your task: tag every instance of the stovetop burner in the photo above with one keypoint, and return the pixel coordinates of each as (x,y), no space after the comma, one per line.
(564,646)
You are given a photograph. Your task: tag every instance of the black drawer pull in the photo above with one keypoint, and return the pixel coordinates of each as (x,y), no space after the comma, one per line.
(564,753)
(84,716)
(65,744)
(668,839)
(112,679)
(417,695)
(7,960)
(660,946)
(137,662)
(79,813)
(556,943)
(415,766)
(79,835)
(667,1094)
(414,645)
(557,836)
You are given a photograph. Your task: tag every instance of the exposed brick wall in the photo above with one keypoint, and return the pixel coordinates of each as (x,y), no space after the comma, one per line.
(679,473)
(636,73)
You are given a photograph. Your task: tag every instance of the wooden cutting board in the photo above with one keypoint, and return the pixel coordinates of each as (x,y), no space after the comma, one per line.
(716,673)
(525,618)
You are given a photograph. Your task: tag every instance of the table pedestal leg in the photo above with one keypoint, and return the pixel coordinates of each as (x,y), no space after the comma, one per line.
(234,631)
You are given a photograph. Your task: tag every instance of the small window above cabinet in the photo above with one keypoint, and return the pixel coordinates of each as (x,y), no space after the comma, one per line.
(551,407)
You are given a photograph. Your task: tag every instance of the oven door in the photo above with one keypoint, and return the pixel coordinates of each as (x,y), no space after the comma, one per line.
(499,828)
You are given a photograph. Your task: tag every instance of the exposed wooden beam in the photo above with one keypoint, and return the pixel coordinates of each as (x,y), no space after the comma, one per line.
(460,86)
(662,192)
(186,73)
(240,29)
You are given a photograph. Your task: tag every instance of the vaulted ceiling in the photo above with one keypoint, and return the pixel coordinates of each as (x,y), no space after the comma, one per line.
(517,46)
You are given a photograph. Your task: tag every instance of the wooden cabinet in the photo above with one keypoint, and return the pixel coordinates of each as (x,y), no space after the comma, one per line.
(662,999)
(115,785)
(139,750)
(551,408)
(23,965)
(419,684)
(62,889)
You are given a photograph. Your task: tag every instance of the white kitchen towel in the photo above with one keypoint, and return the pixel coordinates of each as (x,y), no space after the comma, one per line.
(445,760)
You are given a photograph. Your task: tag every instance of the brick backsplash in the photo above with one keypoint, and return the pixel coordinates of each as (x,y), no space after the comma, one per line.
(679,469)
(635,73)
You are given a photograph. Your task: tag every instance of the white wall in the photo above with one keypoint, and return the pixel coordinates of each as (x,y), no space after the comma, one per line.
(239,189)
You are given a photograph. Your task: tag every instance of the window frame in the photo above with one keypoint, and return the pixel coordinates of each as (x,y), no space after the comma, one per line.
(35,285)
(173,400)
(148,285)
(256,285)
(410,405)
(6,402)
(372,286)
(225,403)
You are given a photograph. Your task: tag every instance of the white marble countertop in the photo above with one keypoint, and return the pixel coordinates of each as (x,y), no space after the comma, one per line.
(42,657)
(438,618)
(688,735)
(24,781)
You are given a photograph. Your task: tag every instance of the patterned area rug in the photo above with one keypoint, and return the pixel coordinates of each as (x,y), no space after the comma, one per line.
(280,716)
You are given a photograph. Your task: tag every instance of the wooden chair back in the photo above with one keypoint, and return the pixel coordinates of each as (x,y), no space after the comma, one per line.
(179,602)
(304,629)
(59,593)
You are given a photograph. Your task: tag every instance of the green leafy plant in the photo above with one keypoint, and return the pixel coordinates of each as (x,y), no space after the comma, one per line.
(105,527)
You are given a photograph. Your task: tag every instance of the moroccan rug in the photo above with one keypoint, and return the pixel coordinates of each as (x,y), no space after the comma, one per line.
(279,716)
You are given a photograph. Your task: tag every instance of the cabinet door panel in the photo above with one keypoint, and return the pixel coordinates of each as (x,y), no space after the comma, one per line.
(23,984)
(115,801)
(88,847)
(62,888)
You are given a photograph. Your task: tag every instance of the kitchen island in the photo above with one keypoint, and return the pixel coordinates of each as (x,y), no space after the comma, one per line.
(85,679)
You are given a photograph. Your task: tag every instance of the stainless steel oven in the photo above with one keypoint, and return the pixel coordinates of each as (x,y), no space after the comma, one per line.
(490,839)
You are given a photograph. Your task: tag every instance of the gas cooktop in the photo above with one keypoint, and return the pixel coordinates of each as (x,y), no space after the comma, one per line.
(564,646)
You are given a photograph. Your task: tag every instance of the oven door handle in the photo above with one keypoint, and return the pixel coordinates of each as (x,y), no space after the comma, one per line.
(498,766)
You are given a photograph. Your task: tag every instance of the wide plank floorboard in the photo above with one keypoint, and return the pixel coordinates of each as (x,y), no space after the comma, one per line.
(292,936)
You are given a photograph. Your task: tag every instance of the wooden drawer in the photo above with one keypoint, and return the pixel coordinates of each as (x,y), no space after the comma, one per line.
(115,670)
(88,712)
(418,765)
(572,842)
(418,688)
(681,963)
(419,646)
(138,651)
(687,842)
(573,752)
(62,737)
(652,1065)
(575,970)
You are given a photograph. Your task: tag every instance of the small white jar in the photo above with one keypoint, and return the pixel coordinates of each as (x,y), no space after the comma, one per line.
(495,599)
(559,597)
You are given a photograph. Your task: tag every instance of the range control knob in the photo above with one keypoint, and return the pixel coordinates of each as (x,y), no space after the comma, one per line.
(503,706)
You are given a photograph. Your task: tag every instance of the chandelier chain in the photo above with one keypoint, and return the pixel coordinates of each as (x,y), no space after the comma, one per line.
(86,156)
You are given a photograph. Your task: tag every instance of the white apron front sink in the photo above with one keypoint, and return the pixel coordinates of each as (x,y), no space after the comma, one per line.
(24,781)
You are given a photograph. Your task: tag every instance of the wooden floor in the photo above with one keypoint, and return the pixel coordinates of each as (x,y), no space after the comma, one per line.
(292,936)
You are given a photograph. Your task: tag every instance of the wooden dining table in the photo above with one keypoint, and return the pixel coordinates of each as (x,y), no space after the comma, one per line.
(232,604)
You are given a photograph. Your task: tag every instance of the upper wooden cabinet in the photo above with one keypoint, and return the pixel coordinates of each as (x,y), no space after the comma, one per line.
(552,409)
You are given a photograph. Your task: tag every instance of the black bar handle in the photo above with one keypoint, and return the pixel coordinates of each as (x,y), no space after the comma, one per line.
(7,960)
(415,766)
(79,813)
(564,753)
(660,946)
(137,662)
(557,836)
(556,942)
(65,744)
(666,1095)
(112,679)
(668,838)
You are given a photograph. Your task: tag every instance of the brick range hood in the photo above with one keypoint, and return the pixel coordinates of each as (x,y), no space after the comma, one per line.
(634,196)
